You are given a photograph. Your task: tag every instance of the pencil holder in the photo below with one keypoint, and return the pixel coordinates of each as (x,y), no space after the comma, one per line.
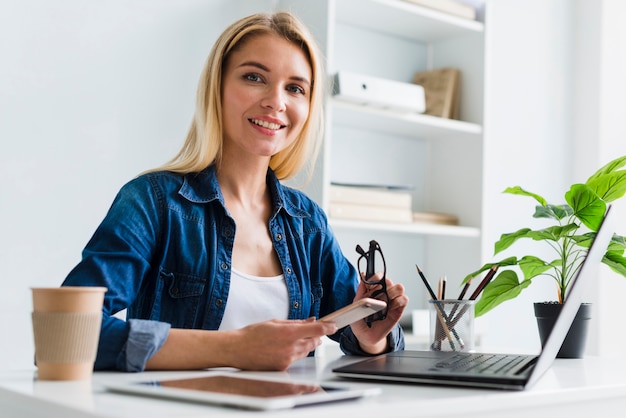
(452,325)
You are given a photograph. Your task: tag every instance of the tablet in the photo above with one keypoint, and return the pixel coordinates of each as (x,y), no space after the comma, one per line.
(241,391)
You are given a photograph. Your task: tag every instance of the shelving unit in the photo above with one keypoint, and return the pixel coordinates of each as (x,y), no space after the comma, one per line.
(441,158)
(413,125)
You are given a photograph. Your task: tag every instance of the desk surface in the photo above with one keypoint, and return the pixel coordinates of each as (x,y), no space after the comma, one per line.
(570,388)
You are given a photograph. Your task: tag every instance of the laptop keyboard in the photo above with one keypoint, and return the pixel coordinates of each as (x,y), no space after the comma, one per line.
(482,363)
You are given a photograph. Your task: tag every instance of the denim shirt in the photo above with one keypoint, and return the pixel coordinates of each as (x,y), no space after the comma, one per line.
(164,251)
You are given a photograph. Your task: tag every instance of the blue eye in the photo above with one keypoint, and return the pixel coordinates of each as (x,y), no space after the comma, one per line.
(296,89)
(252,77)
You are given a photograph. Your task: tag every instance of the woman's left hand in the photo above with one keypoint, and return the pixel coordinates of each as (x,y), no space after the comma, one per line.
(373,340)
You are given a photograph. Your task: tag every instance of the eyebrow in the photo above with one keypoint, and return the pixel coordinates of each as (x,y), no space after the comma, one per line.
(265,68)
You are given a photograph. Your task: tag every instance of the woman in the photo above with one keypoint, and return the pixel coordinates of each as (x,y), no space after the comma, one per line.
(216,262)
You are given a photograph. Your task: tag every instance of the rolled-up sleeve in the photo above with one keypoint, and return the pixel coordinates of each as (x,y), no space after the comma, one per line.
(144,339)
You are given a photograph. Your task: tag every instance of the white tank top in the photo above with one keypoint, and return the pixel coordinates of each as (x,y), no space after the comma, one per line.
(254,299)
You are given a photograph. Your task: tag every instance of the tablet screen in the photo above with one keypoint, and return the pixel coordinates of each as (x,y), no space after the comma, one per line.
(242,386)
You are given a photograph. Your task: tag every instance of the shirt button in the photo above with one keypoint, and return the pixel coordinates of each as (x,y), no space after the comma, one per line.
(279,237)
(224,266)
(296,305)
(288,270)
(174,290)
(219,302)
(228,233)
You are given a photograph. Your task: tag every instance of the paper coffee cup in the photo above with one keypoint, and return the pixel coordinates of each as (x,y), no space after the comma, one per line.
(66,327)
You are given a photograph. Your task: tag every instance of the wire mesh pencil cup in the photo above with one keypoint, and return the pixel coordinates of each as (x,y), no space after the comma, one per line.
(452,325)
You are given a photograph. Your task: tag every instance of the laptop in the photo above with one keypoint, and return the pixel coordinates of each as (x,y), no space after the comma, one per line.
(486,370)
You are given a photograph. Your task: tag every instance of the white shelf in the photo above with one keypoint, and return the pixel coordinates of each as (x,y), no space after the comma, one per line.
(413,125)
(393,39)
(405,19)
(407,228)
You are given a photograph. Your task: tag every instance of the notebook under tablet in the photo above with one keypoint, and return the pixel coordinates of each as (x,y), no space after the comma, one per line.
(238,390)
(488,370)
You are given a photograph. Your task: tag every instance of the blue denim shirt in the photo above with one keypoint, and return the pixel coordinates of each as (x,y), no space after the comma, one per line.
(164,251)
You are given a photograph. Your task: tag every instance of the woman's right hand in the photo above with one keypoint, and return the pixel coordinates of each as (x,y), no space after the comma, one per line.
(269,345)
(275,344)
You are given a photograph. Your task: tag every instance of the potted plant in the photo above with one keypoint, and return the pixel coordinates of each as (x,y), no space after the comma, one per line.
(573,228)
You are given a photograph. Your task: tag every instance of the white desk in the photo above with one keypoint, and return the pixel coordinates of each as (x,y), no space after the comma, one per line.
(572,388)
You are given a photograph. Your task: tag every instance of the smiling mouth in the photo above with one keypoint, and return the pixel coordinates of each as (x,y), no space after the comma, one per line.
(267,125)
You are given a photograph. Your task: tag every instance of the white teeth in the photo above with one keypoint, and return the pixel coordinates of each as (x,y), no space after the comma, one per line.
(268,125)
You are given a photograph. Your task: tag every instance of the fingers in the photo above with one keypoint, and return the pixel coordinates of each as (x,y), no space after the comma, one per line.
(275,344)
(310,327)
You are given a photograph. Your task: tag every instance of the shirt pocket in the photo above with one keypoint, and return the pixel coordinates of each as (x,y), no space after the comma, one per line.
(182,299)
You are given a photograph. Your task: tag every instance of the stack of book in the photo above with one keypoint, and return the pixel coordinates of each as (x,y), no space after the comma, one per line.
(371,202)
(435,218)
(453,7)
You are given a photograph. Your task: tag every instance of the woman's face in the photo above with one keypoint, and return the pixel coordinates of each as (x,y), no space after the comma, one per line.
(266,89)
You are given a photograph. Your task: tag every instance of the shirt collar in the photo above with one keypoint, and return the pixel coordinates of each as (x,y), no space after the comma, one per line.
(203,187)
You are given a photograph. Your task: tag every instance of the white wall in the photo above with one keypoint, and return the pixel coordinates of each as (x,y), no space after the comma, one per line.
(601,136)
(91,93)
(554,100)
(527,135)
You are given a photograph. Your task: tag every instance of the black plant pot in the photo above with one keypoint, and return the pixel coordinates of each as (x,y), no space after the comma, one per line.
(576,339)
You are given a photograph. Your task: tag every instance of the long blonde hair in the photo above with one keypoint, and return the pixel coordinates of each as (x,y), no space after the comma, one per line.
(203,145)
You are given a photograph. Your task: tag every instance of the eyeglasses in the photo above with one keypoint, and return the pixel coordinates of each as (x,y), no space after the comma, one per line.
(370,257)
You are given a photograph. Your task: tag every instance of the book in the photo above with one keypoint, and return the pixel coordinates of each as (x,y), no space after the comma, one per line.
(361,212)
(435,218)
(452,7)
(370,195)
(442,88)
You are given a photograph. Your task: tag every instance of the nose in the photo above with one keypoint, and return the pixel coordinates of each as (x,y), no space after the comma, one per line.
(274,99)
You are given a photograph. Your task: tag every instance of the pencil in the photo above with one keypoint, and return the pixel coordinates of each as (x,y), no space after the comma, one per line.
(481,286)
(443,287)
(439,288)
(443,318)
(461,296)
(486,280)
(430,289)
(465,288)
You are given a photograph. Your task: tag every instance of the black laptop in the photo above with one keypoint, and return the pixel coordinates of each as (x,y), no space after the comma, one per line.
(486,370)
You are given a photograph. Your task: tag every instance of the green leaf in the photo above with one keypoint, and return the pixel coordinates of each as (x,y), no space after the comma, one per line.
(510,261)
(533,266)
(616,262)
(506,240)
(557,212)
(617,244)
(555,233)
(609,187)
(587,206)
(519,191)
(551,233)
(609,167)
(504,287)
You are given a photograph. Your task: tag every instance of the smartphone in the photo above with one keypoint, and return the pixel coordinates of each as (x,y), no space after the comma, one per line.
(355,311)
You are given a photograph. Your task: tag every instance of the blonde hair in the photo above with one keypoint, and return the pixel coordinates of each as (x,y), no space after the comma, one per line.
(203,145)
